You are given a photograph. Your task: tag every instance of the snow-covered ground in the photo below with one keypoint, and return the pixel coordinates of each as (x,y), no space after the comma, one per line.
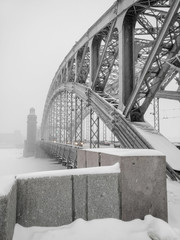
(12,163)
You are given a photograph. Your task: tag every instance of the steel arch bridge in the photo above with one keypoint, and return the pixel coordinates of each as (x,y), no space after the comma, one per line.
(123,62)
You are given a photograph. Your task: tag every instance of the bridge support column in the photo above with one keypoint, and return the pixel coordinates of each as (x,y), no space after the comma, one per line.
(94,58)
(125,25)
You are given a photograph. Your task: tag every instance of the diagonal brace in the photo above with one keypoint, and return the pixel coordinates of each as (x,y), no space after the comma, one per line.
(167,23)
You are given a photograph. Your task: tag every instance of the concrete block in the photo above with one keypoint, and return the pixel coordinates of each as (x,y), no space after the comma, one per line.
(81,159)
(143,187)
(109,159)
(8,214)
(44,201)
(92,159)
(143,180)
(103,196)
(79,197)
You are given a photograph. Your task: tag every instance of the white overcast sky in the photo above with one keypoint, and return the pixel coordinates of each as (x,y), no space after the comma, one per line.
(35,36)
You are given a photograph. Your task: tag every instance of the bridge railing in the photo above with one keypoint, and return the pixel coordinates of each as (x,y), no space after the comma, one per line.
(65,154)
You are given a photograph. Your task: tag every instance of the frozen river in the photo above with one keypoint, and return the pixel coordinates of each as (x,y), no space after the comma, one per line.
(12,162)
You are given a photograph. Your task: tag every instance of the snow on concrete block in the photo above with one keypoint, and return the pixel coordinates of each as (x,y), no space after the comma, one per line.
(44,201)
(143,180)
(81,160)
(103,196)
(92,159)
(87,158)
(108,159)
(8,213)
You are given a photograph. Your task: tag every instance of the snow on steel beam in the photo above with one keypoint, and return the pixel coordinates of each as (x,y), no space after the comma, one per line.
(168,95)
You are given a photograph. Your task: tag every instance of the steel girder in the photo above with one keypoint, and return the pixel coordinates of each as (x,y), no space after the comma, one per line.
(107,57)
(83,62)
(114,31)
(153,73)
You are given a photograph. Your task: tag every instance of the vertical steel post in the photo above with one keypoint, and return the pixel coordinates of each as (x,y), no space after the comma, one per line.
(58,125)
(62,117)
(69,118)
(78,120)
(94,58)
(50,124)
(156,114)
(94,130)
(104,132)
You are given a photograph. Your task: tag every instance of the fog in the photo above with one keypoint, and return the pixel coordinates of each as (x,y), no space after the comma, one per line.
(35,37)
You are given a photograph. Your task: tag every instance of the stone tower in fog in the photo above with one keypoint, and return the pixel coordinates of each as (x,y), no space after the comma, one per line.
(30,143)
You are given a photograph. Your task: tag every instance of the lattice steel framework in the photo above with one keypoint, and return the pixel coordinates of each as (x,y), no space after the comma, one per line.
(94,130)
(108,55)
(78,120)
(83,64)
(166,45)
(69,107)
(62,117)
(58,123)
(55,120)
(156,114)
(131,53)
(104,132)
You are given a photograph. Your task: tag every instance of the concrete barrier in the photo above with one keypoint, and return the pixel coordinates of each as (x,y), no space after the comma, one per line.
(8,214)
(56,201)
(56,198)
(142,179)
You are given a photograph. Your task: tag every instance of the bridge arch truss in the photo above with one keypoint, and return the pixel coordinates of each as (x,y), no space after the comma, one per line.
(125,60)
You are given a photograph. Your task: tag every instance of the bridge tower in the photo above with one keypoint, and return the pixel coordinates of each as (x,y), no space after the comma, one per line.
(30,142)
